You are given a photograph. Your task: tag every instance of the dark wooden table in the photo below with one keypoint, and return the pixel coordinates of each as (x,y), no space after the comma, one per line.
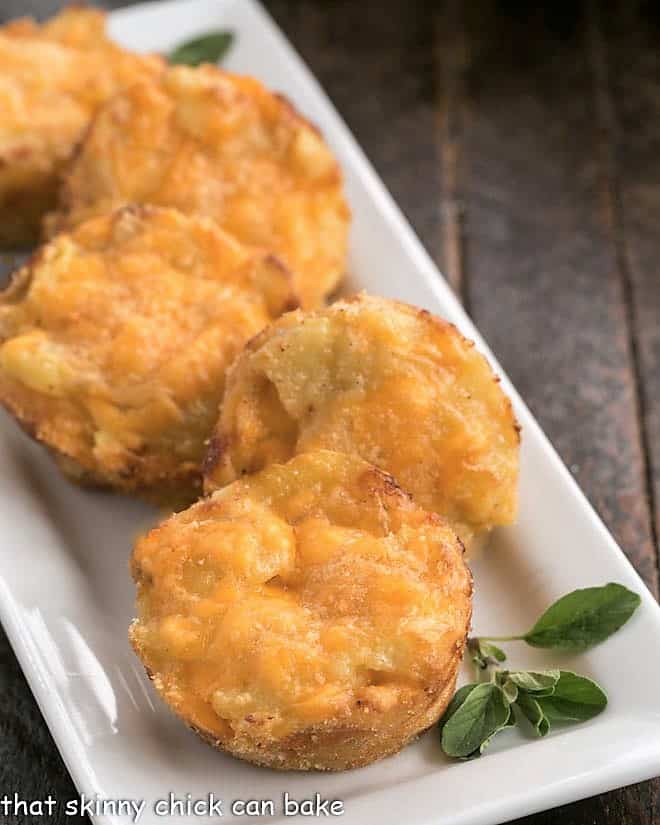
(524,146)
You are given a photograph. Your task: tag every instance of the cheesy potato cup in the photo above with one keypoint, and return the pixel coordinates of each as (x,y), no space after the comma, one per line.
(399,387)
(52,79)
(212,143)
(114,341)
(309,617)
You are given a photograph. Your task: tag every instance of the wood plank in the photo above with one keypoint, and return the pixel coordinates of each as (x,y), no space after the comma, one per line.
(450,61)
(634,805)
(632,36)
(543,275)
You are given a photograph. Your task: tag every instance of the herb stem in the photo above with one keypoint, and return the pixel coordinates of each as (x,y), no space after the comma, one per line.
(501,638)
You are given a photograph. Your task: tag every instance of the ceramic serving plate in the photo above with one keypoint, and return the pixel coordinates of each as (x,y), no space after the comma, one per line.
(66,598)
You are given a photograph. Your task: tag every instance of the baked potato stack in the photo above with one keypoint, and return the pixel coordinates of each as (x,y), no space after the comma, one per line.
(307,612)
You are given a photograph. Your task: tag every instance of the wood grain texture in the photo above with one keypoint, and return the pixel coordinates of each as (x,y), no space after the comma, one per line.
(451,56)
(544,281)
(524,147)
(632,34)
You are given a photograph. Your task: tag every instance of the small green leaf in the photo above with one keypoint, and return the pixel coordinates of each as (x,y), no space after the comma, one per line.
(575,699)
(483,712)
(537,682)
(459,697)
(208,48)
(492,651)
(510,690)
(584,618)
(533,712)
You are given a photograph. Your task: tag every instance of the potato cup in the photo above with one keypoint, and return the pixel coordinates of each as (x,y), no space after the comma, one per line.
(211,143)
(388,381)
(309,617)
(115,339)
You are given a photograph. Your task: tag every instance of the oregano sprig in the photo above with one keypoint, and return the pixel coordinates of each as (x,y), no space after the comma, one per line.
(580,619)
(537,699)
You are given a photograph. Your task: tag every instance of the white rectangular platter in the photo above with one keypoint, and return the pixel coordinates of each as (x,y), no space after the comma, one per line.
(66,597)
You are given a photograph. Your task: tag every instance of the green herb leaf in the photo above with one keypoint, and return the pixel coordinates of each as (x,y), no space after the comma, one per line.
(584,618)
(489,650)
(209,48)
(459,697)
(510,690)
(533,712)
(575,699)
(537,682)
(482,712)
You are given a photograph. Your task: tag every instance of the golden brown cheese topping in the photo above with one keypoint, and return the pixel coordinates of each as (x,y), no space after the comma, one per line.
(400,388)
(115,339)
(313,597)
(208,142)
(52,79)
